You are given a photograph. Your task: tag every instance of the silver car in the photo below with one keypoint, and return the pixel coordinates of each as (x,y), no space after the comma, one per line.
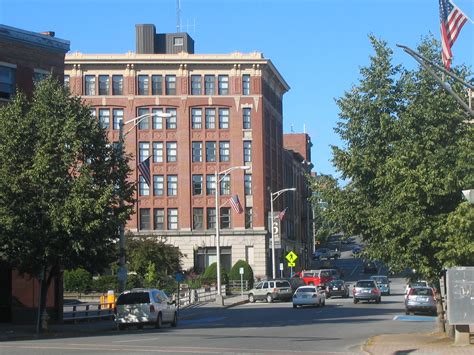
(420,299)
(145,306)
(271,290)
(366,290)
(309,296)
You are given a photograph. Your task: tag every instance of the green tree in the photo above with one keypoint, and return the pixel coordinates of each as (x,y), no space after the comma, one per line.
(234,273)
(151,276)
(407,156)
(77,280)
(210,274)
(60,185)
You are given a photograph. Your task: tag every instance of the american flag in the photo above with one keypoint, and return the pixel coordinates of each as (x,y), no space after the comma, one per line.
(282,214)
(452,20)
(235,203)
(144,168)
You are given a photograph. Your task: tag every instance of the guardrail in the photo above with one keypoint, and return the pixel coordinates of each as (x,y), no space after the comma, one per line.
(188,297)
(85,311)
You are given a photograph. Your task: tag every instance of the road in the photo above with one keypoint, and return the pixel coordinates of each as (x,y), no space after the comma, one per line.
(259,328)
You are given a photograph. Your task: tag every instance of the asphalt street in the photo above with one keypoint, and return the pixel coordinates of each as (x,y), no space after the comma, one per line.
(258,328)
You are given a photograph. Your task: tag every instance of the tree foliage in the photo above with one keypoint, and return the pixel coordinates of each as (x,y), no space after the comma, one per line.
(77,280)
(234,273)
(407,155)
(60,185)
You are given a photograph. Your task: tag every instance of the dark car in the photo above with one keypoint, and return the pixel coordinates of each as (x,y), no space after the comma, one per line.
(295,282)
(337,288)
(370,267)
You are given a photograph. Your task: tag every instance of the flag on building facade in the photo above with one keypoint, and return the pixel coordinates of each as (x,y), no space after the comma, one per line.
(282,214)
(144,168)
(235,203)
(452,19)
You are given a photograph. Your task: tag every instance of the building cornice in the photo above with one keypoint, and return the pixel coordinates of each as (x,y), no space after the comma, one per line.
(34,39)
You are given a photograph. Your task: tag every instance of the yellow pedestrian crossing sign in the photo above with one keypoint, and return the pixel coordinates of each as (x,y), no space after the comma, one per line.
(290,264)
(291,257)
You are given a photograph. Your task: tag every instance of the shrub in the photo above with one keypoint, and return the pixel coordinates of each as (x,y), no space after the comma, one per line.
(248,272)
(210,274)
(78,280)
(105,283)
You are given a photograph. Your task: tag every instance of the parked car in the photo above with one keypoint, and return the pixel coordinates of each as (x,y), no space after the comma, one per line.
(271,290)
(356,250)
(366,290)
(316,277)
(383,282)
(337,288)
(420,299)
(418,283)
(370,267)
(309,296)
(144,306)
(296,282)
(326,253)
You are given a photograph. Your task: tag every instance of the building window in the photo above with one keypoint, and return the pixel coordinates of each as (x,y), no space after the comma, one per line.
(224,151)
(39,75)
(178,41)
(103,84)
(172,218)
(143,151)
(104,118)
(207,256)
(159,219)
(224,118)
(223,84)
(196,118)
(225,185)
(7,82)
(89,85)
(157,118)
(171,152)
(210,118)
(225,218)
(144,219)
(197,152)
(197,185)
(172,185)
(171,121)
(143,188)
(198,215)
(158,152)
(170,81)
(247,184)
(117,117)
(67,84)
(211,218)
(209,84)
(143,85)
(158,185)
(246,118)
(144,123)
(196,88)
(210,184)
(248,218)
(247,151)
(210,151)
(156,85)
(117,84)
(246,84)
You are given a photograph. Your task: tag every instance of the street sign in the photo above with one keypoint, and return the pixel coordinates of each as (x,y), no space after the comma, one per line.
(281,266)
(290,264)
(291,257)
(275,225)
(241,271)
(179,277)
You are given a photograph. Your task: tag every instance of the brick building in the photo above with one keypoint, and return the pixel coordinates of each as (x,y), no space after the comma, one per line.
(224,110)
(25,58)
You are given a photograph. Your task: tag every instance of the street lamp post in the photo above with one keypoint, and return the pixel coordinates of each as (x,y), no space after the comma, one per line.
(122,273)
(218,244)
(273,197)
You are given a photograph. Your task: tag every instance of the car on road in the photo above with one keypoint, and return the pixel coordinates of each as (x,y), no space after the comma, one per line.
(271,290)
(139,307)
(309,296)
(383,282)
(316,277)
(366,290)
(418,283)
(326,253)
(356,250)
(420,299)
(370,267)
(337,288)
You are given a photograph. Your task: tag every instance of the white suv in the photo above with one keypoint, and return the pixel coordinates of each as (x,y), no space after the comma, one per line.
(145,306)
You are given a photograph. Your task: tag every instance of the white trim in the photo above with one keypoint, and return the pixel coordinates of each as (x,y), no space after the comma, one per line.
(9,65)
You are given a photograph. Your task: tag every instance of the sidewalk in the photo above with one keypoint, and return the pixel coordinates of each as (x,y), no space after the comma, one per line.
(418,343)
(10,332)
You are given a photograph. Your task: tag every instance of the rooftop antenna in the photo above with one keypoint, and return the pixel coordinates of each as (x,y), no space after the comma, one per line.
(178,16)
(304,128)
(291,128)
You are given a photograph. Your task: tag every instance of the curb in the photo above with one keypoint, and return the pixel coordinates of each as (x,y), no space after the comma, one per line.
(237,304)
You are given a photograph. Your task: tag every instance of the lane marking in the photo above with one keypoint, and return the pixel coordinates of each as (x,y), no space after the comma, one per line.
(415,318)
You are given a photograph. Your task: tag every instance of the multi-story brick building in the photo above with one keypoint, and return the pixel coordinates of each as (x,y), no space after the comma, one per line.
(225,110)
(25,58)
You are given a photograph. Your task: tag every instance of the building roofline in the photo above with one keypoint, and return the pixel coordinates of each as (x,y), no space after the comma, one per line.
(34,39)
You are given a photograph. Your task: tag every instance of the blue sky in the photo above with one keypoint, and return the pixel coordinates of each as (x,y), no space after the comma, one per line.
(317,45)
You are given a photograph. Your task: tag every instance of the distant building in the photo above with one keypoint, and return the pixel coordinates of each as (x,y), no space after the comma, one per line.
(25,58)
(226,110)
